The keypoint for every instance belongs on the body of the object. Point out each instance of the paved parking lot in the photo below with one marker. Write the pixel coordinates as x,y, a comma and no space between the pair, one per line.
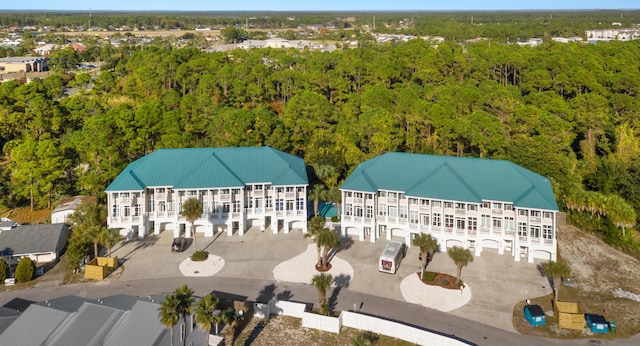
497,282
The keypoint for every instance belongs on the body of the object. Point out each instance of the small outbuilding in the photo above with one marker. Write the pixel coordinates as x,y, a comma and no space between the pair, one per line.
597,323
534,315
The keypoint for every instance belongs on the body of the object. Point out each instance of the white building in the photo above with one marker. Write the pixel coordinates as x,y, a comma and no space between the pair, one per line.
239,188
480,204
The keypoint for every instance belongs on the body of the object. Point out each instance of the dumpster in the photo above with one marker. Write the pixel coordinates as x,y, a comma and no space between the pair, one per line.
612,327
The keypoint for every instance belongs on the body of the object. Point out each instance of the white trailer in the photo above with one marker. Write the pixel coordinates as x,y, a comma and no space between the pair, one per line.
391,256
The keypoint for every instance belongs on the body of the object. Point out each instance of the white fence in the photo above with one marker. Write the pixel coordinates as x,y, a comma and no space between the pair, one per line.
355,321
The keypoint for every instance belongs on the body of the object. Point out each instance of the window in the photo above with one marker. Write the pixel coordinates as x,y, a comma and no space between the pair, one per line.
535,213
180,207
522,212
369,212
124,195
522,229
497,206
383,194
215,208
161,190
300,189
150,206
535,231
235,192
248,203
382,209
486,205
203,192
358,194
448,205
289,189
547,215
393,211
368,196
392,195
547,232
136,210
509,223
358,211
114,195
424,202
258,187
508,207
181,193
413,217
497,223
162,207
485,221
436,220
279,189
460,206
448,221
236,206
225,191
114,211
127,211
425,219
136,194
403,211
170,206
269,202
214,192
473,223
193,193
436,204
413,201
348,209
279,204
300,203
349,194
471,207
226,207
289,204
402,196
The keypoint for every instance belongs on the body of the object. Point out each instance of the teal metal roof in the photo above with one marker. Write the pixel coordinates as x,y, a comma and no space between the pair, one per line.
454,179
211,167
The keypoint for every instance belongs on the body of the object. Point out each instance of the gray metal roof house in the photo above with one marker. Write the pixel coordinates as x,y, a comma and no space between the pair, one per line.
480,204
42,243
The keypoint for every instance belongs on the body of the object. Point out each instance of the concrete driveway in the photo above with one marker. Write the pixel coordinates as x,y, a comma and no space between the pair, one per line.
496,282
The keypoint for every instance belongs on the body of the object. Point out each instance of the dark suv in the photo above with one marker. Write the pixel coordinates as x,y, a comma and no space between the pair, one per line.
178,244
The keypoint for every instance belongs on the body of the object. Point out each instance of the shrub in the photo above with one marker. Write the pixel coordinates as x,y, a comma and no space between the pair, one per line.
25,270
199,256
429,276
4,270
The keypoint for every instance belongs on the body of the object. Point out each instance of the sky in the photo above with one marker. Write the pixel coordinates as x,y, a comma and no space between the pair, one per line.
317,5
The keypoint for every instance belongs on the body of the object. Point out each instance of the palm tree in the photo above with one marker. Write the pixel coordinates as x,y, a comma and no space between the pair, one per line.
232,319
555,271
217,319
107,237
316,225
315,194
205,308
427,245
169,314
322,282
184,298
461,257
192,210
327,239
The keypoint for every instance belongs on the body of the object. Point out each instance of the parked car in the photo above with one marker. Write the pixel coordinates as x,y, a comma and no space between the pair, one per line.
178,244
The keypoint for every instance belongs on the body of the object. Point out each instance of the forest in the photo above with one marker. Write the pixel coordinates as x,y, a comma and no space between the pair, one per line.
568,111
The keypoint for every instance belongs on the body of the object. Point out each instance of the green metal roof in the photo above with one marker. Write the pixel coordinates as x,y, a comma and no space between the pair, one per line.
211,167
454,179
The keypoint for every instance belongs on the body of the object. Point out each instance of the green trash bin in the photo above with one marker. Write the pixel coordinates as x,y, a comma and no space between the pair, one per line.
612,327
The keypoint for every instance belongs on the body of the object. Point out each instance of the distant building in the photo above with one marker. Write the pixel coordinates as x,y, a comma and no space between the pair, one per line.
612,34
66,207
23,64
239,188
480,204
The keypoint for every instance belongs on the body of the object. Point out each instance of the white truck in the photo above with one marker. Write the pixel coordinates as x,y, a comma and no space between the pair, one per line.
391,256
